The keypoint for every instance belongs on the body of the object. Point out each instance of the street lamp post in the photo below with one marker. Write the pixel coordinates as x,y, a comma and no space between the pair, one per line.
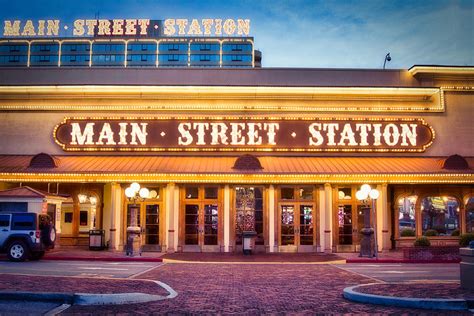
365,194
134,194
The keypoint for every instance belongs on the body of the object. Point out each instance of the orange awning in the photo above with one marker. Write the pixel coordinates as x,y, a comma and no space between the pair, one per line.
185,167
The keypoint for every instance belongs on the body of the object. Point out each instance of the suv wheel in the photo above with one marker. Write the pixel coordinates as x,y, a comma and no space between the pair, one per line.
18,251
48,235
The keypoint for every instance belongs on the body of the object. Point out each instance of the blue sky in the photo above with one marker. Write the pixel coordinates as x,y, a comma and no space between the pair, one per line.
302,33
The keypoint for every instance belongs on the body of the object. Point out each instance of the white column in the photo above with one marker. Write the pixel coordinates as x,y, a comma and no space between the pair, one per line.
322,218
169,218
176,215
271,218
226,218
112,215
383,213
327,218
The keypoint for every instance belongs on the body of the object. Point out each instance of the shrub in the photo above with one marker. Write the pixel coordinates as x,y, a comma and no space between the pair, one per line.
466,239
440,229
431,232
407,232
455,232
422,242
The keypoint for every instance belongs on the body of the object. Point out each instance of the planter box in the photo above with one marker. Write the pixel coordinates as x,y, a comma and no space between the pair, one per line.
449,253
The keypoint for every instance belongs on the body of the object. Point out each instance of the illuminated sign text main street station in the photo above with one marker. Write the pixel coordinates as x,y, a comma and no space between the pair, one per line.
243,134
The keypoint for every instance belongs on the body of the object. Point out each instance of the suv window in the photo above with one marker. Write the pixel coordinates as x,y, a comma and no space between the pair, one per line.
23,222
4,220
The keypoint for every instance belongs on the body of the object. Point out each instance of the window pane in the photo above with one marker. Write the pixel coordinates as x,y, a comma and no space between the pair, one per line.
83,218
4,220
68,217
470,215
13,207
192,192
287,193
306,193
440,215
344,194
406,216
210,192
345,224
23,222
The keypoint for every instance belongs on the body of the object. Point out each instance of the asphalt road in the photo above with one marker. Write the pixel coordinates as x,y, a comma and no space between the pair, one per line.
23,308
405,272
77,268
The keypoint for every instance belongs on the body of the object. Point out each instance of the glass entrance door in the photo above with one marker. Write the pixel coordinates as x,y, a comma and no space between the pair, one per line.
348,220
200,224
201,227
152,226
297,227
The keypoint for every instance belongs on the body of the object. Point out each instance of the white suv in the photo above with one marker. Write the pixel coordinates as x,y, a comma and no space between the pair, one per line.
26,235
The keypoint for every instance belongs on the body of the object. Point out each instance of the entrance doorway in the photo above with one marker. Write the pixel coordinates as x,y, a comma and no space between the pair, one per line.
200,220
297,219
249,216
349,220
150,218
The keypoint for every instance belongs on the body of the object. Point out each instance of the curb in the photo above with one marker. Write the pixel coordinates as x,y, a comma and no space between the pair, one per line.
91,299
118,259
400,261
256,262
422,303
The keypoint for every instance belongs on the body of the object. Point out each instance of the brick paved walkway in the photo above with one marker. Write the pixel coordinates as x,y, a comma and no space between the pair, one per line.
252,289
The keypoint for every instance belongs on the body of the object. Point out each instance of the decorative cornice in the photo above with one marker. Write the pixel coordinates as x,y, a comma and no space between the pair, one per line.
229,99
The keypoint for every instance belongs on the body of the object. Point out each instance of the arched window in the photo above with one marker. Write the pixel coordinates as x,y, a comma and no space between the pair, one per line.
470,215
406,216
440,215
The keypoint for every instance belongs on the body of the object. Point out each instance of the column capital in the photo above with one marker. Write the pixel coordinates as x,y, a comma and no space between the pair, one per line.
327,185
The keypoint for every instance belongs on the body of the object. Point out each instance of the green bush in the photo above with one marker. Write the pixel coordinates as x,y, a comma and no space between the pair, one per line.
455,232
431,232
407,232
466,239
422,242
440,229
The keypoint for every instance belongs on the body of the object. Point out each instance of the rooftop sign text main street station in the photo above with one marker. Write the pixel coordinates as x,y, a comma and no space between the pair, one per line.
128,27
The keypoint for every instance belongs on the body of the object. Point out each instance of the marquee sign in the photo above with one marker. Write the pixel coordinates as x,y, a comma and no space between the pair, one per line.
174,134
129,27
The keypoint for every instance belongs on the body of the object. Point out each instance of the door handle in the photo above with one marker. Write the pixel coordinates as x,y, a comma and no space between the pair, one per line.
4,230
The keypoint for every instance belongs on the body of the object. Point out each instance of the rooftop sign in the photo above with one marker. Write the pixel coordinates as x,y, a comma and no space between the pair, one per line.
244,134
128,27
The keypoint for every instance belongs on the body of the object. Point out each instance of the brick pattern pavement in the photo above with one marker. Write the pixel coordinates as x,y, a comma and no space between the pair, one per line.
424,290
252,289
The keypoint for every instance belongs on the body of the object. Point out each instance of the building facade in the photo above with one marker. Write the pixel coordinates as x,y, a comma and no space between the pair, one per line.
281,152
